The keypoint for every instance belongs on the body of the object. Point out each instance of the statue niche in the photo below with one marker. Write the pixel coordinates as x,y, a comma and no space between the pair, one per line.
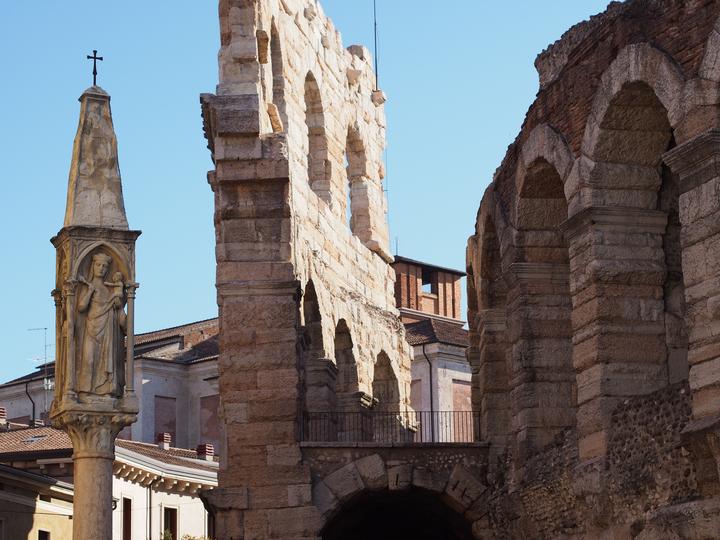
100,329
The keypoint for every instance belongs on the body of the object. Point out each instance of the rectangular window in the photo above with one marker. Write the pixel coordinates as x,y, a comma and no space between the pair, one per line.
43,535
170,522
209,424
165,416
127,518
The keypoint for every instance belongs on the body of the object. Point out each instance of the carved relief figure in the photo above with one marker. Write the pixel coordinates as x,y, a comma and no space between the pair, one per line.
100,368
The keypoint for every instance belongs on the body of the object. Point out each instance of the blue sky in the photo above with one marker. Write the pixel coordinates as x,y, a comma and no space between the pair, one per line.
459,77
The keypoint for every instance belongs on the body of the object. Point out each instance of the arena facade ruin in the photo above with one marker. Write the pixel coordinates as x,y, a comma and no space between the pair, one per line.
592,293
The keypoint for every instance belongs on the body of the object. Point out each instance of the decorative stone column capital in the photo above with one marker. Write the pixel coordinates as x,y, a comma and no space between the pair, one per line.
93,435
696,161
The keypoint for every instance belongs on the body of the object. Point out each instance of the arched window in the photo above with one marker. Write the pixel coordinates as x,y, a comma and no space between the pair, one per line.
318,165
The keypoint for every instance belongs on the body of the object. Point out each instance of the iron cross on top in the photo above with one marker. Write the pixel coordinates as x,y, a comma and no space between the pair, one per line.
94,58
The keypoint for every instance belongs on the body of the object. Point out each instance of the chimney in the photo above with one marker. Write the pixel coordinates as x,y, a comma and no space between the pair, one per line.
164,440
206,451
37,423
3,417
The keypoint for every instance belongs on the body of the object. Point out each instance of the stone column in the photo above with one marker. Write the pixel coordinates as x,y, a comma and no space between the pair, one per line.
95,285
697,164
540,374
93,437
617,275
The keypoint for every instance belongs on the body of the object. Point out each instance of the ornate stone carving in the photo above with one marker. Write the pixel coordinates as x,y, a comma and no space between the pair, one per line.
101,329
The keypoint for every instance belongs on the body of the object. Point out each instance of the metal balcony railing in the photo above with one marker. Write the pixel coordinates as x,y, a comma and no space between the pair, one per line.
390,427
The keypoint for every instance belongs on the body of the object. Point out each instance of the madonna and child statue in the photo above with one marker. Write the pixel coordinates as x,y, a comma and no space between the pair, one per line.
100,331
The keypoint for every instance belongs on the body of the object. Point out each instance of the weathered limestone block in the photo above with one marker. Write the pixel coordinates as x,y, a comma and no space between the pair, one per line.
540,371
617,272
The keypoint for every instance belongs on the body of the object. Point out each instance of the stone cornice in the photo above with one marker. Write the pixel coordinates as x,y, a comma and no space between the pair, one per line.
535,272
493,319
630,219
204,477
696,161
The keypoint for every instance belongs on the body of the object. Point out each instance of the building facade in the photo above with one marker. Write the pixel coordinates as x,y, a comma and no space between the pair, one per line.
175,381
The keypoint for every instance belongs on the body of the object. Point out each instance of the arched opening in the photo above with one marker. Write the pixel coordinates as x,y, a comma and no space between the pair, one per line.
387,425
276,59
356,202
539,314
319,375
397,515
347,381
385,387
318,165
630,328
320,371
634,134
351,424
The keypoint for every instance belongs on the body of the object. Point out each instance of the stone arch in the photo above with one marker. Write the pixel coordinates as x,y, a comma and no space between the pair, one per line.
120,261
546,144
320,371
622,290
318,164
634,64
539,305
450,487
385,386
348,384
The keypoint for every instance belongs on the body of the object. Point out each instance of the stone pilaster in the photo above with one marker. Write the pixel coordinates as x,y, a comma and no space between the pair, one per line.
540,374
488,360
617,275
697,164
259,308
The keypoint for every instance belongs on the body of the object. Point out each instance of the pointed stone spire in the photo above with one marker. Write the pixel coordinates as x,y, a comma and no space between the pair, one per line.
94,197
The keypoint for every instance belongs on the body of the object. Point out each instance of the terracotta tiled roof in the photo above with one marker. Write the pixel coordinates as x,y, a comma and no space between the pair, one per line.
175,456
33,442
176,331
435,331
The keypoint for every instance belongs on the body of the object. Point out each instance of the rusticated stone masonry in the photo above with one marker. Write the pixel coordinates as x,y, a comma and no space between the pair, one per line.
593,275
308,322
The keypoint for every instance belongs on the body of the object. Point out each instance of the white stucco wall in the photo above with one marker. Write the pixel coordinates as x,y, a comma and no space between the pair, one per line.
192,517
448,364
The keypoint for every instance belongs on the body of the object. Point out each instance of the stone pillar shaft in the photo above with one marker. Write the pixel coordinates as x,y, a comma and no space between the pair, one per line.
619,350
540,371
697,163
488,360
93,478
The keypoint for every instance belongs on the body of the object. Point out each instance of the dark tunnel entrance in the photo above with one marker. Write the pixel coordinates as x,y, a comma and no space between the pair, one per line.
404,515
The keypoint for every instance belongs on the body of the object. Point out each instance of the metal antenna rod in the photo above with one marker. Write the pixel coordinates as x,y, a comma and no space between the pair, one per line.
45,362
377,83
